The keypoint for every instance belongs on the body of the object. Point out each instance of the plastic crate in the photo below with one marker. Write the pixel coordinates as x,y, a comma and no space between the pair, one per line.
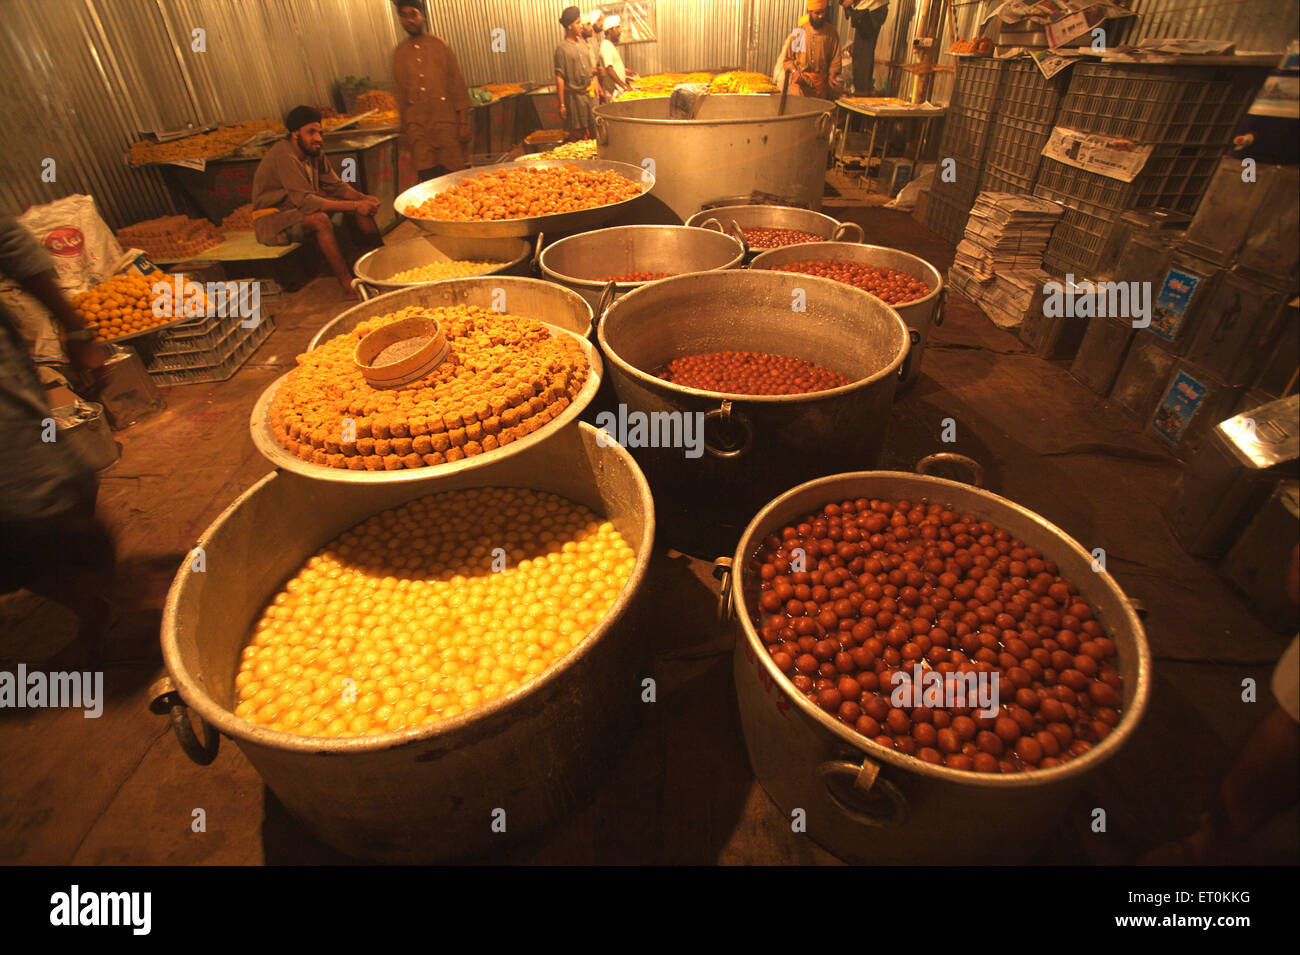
197,358
977,84
1018,140
964,187
947,219
1158,104
965,134
1000,178
1078,239
1025,93
240,349
1174,177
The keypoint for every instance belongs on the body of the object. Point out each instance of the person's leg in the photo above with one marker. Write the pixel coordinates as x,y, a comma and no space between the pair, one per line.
366,231
319,224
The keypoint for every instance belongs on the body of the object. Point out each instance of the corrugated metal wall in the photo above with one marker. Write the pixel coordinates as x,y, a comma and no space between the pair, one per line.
82,77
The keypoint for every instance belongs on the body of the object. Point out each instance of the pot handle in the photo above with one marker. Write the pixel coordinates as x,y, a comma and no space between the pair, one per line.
926,464
865,777
727,416
943,305
826,126
602,131
607,295
844,229
913,339
362,289
165,699
739,235
712,224
726,598
537,253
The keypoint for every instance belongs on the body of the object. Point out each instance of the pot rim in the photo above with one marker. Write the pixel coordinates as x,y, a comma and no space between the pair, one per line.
648,379
847,250
597,284
869,749
829,110
830,221
244,731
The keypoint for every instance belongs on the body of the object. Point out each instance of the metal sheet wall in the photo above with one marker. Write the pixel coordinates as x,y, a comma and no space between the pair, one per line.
81,77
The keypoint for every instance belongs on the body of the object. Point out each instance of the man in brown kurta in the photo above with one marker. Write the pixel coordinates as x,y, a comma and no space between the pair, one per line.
295,192
812,54
432,99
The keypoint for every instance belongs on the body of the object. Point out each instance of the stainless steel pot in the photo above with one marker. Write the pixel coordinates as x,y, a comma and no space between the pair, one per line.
752,446
560,222
869,804
375,270
736,142
776,217
529,298
427,793
919,316
584,263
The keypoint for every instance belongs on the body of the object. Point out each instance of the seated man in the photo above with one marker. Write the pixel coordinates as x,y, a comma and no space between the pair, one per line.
295,192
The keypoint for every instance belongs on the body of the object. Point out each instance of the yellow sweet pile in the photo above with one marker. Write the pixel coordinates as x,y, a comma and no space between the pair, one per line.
223,139
740,81
381,100
428,610
522,191
582,149
121,306
385,117
498,90
444,270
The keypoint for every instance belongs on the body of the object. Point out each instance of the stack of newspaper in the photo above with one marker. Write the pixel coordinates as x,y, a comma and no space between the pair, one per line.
999,260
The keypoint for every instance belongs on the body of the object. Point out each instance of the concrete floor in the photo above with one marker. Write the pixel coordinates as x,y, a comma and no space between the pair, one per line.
119,790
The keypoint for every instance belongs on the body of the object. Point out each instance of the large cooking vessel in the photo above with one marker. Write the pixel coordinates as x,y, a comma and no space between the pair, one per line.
752,447
431,792
919,316
529,298
585,263
755,216
375,270
556,223
736,143
870,804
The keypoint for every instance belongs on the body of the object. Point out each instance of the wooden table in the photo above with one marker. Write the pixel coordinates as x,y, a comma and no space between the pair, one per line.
922,113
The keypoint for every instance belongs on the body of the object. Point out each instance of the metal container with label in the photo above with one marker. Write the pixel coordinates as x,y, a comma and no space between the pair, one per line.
1257,564
1228,476
1102,352
1192,402
1242,319
1142,379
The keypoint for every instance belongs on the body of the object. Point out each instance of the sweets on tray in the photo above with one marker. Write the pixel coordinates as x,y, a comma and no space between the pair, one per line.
224,139
444,270
517,193
170,237
504,378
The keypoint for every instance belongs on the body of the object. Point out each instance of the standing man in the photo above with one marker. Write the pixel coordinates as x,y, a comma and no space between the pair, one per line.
867,17
574,77
614,75
295,192
812,55
593,31
432,99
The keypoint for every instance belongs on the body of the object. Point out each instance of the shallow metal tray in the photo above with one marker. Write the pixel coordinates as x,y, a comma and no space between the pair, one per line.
579,220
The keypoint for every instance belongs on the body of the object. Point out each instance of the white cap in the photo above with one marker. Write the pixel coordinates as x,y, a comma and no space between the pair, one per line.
611,22
591,17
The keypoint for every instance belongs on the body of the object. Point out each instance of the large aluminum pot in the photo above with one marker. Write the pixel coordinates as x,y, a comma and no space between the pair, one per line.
736,142
870,804
754,216
426,793
919,316
585,263
751,447
375,269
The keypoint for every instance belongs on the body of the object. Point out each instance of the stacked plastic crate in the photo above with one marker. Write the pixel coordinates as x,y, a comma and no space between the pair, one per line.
1027,107
210,349
1187,114
961,151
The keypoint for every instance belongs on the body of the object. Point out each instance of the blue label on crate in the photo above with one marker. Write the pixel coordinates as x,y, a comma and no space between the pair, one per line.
1172,303
1177,407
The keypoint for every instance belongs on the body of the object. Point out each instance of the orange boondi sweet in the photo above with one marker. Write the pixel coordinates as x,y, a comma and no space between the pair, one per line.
504,378
527,191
